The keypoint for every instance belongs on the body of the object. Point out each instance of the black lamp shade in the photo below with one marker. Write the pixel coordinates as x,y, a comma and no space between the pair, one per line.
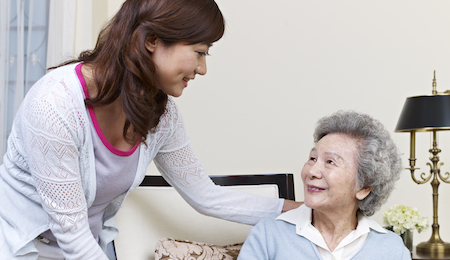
425,113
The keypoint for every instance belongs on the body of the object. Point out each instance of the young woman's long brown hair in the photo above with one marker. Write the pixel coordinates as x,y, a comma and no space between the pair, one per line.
122,66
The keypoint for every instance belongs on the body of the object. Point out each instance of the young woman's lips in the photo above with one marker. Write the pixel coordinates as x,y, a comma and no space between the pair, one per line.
185,81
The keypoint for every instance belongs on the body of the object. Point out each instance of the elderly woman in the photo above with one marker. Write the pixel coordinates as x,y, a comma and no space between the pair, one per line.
349,174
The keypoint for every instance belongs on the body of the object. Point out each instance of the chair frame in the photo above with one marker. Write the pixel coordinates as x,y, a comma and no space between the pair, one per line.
284,181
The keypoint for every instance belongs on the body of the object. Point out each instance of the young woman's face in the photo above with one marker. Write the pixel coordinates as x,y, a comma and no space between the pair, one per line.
177,64
329,176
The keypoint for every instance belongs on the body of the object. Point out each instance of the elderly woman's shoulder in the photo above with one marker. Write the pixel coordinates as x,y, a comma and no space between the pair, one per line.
275,224
392,236
391,243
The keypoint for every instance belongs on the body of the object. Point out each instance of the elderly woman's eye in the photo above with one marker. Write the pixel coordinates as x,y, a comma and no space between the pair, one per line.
312,159
330,161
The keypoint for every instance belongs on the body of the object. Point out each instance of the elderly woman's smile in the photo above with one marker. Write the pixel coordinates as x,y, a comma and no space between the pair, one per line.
314,188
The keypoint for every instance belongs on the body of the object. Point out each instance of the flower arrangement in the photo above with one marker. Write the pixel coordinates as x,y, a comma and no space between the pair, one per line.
402,218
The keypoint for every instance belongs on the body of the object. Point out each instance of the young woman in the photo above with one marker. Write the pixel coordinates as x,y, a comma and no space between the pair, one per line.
86,132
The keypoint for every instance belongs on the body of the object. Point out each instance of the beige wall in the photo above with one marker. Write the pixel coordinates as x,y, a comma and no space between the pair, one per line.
283,64
91,16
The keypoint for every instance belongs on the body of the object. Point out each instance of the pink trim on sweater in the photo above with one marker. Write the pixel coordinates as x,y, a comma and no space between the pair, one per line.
108,145
81,79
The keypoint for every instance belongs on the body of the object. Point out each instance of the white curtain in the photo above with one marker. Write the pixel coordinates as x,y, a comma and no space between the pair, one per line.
24,52
61,33
4,68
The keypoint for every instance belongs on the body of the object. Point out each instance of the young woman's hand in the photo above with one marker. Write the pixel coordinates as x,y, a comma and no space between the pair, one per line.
290,204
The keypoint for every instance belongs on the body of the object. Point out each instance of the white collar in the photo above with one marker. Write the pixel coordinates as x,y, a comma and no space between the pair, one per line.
347,248
301,218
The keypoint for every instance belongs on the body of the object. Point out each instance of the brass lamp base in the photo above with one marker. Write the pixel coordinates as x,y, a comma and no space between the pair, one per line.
433,249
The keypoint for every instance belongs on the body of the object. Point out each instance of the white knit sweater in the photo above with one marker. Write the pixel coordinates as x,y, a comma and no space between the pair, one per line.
48,176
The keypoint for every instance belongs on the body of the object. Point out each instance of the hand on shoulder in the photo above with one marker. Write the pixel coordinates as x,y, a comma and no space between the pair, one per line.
290,204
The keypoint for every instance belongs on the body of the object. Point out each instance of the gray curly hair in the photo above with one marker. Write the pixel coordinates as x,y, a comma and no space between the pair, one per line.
379,162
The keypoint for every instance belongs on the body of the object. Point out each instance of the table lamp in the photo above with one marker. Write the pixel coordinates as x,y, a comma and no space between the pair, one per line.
428,113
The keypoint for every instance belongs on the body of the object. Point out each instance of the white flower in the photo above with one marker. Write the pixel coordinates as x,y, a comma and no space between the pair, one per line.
401,218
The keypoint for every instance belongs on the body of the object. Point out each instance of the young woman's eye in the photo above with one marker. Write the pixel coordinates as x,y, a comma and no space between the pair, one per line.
202,53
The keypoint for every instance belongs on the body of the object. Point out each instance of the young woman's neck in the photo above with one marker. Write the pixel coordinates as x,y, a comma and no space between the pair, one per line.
88,76
111,118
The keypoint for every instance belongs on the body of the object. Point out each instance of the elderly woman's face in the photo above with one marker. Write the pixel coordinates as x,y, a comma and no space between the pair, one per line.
329,176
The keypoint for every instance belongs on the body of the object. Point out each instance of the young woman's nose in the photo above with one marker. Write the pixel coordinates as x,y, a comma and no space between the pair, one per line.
201,67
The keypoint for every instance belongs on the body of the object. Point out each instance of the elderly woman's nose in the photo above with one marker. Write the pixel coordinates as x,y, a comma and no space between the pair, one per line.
315,171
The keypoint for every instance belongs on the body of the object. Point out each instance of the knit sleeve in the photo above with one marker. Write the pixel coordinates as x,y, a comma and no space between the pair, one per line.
52,139
181,168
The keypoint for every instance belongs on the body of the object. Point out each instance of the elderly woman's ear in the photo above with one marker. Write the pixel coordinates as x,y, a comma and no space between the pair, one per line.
362,193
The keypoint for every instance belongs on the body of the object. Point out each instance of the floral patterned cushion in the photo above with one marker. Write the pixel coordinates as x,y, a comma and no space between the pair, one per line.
173,249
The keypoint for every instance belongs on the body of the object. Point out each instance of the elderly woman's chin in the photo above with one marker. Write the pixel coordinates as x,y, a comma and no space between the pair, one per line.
314,204
317,207
309,202
333,203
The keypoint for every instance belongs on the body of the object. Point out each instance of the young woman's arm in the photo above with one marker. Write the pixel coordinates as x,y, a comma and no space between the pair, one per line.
180,167
52,146
184,172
